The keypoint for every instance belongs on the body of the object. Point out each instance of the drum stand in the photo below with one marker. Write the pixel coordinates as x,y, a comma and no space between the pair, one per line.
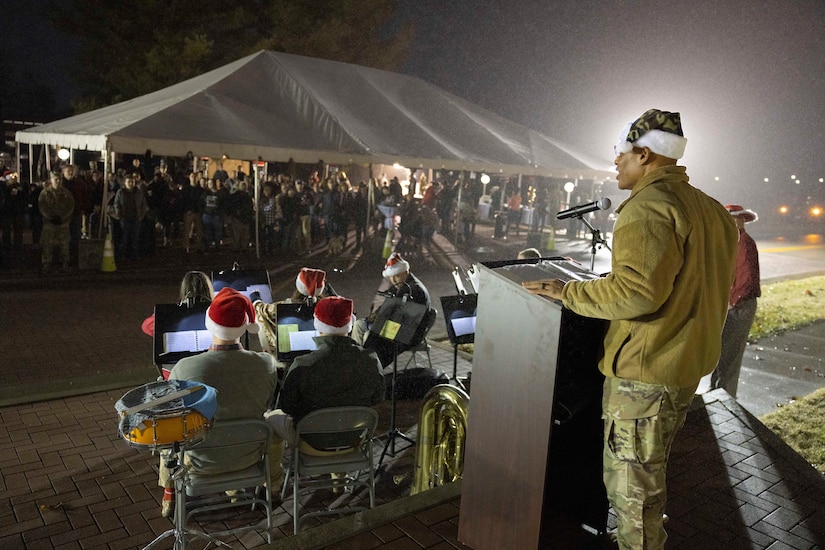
180,472
394,431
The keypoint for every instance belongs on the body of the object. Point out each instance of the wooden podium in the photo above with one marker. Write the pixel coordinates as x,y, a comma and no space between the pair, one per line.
532,469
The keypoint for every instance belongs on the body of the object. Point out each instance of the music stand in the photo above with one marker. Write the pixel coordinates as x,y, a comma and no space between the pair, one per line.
245,282
460,318
180,331
296,328
396,323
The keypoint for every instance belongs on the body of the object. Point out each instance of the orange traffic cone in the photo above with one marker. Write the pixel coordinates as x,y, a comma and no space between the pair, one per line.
108,263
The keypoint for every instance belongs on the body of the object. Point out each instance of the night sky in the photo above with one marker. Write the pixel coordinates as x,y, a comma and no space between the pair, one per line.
748,76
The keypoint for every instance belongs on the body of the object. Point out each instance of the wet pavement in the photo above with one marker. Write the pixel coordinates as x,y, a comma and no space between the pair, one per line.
71,345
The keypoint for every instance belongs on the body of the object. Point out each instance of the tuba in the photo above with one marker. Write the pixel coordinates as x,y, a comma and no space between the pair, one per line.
442,430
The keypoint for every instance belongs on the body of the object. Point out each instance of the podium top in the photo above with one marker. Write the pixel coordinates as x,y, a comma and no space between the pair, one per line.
519,271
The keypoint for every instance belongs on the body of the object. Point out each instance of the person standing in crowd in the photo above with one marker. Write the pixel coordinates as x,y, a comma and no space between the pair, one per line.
269,218
306,204
539,211
212,206
514,211
245,381
290,204
396,190
56,205
77,187
130,209
240,213
33,218
741,305
665,297
12,210
171,212
191,198
360,212
430,195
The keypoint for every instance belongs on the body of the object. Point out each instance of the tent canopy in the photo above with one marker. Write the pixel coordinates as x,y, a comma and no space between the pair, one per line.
276,106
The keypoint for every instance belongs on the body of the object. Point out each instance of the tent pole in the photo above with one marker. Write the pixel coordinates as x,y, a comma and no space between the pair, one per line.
31,158
458,205
370,199
104,218
257,212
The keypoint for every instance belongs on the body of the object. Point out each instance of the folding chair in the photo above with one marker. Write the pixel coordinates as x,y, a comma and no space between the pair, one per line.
332,440
237,437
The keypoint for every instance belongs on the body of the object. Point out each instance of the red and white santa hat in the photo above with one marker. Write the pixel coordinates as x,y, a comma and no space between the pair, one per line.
395,265
230,315
741,212
333,315
310,282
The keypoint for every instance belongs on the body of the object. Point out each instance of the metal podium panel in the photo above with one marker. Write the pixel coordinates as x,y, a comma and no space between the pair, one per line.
506,484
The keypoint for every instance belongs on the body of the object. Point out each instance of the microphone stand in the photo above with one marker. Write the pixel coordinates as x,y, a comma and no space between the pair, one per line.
596,240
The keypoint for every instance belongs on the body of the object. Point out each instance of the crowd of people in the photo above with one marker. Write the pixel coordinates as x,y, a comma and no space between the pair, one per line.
147,207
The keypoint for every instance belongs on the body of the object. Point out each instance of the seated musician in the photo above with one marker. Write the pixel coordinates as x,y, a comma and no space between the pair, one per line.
245,381
403,283
339,373
310,286
195,288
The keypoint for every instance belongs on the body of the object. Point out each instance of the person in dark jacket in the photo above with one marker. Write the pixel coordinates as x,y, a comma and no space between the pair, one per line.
130,208
339,373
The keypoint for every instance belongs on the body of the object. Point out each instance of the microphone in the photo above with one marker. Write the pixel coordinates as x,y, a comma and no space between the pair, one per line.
601,204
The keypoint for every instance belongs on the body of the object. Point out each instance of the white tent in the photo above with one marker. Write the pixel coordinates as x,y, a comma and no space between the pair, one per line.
277,106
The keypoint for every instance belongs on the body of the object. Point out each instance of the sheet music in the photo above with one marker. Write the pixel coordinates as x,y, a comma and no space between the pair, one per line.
186,340
464,325
302,340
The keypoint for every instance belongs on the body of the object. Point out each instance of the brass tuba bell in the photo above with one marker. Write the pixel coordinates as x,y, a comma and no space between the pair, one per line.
442,431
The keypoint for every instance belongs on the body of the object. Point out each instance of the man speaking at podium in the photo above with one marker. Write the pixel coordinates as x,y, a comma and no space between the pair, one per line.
666,299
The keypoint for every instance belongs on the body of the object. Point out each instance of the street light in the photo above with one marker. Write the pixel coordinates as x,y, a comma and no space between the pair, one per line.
485,179
569,187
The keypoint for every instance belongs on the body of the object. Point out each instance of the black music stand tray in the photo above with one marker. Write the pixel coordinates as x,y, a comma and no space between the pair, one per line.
183,318
397,321
456,308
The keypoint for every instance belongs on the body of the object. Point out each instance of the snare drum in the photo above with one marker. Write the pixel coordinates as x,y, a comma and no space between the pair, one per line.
159,414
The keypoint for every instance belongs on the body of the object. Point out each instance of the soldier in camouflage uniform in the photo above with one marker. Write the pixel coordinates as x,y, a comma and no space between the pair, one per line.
56,205
666,298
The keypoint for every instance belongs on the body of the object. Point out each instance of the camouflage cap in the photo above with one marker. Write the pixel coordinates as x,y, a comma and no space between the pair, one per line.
660,131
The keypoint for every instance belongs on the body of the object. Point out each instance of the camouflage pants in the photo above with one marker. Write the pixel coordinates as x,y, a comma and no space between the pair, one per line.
640,423
54,237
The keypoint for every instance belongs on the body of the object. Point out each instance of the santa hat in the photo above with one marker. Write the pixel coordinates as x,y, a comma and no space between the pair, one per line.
230,315
659,131
395,265
740,212
333,315
310,282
